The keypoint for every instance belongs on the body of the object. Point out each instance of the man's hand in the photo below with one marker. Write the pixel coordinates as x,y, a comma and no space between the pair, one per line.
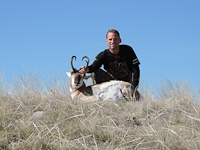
83,70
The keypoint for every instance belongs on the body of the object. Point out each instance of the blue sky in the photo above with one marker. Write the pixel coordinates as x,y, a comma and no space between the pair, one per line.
41,36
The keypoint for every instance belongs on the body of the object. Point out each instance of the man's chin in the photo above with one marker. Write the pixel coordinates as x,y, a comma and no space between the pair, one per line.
113,48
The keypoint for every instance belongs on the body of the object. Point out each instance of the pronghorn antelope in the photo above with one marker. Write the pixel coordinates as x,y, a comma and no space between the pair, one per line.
112,90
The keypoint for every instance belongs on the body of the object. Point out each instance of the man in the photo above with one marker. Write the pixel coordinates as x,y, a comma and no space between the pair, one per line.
120,62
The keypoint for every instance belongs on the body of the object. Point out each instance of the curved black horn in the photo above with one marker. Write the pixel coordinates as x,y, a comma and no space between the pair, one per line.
72,63
86,61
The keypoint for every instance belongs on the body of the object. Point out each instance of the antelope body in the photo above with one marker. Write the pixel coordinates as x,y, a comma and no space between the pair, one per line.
113,90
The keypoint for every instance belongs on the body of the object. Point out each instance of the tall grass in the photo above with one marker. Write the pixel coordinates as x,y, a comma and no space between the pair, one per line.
39,114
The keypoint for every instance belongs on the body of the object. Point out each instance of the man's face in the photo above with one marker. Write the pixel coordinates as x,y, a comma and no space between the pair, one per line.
113,41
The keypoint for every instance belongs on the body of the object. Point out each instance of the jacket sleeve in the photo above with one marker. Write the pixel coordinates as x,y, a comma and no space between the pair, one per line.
97,62
136,76
134,63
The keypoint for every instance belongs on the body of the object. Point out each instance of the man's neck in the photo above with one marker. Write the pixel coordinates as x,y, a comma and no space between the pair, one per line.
115,51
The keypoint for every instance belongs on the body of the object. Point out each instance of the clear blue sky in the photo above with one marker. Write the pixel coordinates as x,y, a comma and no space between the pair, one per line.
40,36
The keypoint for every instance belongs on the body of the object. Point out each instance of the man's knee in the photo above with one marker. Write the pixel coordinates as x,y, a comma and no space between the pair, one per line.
100,76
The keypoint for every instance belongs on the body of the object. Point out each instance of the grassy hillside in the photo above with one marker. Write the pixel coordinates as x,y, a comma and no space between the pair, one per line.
38,114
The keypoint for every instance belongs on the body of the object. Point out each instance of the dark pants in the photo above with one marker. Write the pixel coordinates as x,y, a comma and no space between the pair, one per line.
101,76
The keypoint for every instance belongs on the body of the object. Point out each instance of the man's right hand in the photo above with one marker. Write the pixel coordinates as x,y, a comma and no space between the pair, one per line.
83,70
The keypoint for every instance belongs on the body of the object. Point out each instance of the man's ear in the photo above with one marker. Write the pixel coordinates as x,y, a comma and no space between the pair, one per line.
69,74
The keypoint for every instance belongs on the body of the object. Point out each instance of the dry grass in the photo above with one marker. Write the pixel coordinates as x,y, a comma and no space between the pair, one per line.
38,114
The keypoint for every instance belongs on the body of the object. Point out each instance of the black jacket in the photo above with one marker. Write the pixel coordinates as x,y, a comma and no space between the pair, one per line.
126,54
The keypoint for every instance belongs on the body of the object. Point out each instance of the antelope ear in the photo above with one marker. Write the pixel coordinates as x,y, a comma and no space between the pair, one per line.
69,74
87,76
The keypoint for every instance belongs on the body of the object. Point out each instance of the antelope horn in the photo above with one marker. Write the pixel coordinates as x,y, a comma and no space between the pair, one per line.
86,61
72,63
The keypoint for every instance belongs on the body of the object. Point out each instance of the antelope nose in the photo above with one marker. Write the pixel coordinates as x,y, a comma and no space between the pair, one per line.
76,83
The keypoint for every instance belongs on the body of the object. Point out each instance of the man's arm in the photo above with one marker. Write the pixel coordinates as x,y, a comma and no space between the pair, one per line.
136,76
134,65
95,65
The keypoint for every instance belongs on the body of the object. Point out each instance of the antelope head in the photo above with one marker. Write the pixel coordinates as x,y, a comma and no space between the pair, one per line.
76,77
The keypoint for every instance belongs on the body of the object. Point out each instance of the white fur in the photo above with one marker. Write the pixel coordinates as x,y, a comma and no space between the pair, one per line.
110,91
